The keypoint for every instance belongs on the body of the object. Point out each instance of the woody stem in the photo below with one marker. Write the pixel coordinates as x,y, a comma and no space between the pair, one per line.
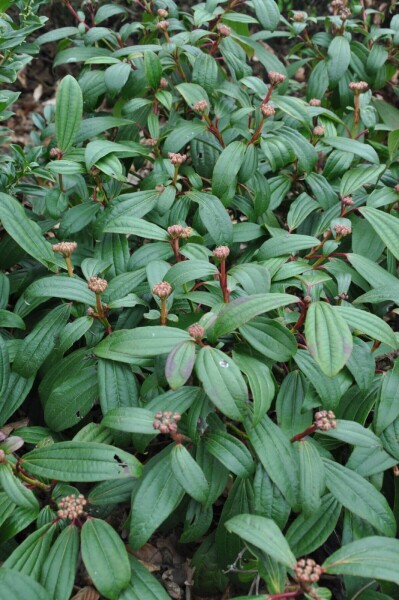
299,436
164,311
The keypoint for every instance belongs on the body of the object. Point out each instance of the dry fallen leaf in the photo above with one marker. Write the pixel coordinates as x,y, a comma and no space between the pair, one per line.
86,593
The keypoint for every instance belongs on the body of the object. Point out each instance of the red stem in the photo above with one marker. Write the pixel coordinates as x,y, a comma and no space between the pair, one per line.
299,436
284,595
75,14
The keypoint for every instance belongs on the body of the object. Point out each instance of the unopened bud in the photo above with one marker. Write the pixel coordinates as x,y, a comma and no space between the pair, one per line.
200,106
163,84
396,188
175,231
315,102
166,422
358,87
325,420
65,248
299,17
267,110
176,158
308,571
345,14
163,289
348,200
187,232
221,252
196,331
97,285
162,25
342,230
318,130
163,13
224,29
56,153
276,78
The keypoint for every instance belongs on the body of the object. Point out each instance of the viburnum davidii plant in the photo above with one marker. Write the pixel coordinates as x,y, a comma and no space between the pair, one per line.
198,299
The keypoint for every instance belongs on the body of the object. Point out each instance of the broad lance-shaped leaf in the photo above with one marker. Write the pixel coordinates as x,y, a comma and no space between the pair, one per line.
385,225
388,406
105,558
179,364
243,309
225,171
214,216
353,433
369,324
59,286
4,366
311,477
81,461
264,534
130,419
231,452
222,381
26,233
359,496
372,557
260,382
29,556
17,586
329,338
143,585
130,344
59,569
68,112
189,474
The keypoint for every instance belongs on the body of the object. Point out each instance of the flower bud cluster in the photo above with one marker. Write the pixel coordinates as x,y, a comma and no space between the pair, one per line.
200,106
315,102
396,188
345,13
299,17
149,142
221,252
97,285
337,4
348,200
163,290
176,158
325,420
224,29
56,153
71,507
196,331
318,130
163,25
163,13
276,78
163,84
65,248
178,231
267,110
358,86
307,571
166,422
342,230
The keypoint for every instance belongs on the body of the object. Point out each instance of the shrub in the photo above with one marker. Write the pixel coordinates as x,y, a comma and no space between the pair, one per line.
197,305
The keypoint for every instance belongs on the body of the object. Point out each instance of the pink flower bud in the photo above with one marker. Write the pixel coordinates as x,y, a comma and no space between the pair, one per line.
276,78
162,290
267,110
97,285
221,252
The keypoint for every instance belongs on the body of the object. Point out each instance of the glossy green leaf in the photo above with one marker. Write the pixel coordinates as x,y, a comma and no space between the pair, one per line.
214,217
131,419
179,364
222,382
359,496
270,338
189,474
365,151
231,452
260,383
353,433
228,164
371,557
129,345
243,309
339,54
386,225
18,586
328,338
264,534
189,270
354,179
15,490
81,461
68,112
143,584
28,558
105,558
311,477
59,568
368,323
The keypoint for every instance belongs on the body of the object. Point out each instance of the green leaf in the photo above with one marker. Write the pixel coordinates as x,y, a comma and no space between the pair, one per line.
60,286
263,534
353,147
374,274
270,338
369,324
231,453
59,569
277,456
143,585
152,68
354,179
214,216
29,556
361,364
182,135
385,225
309,532
37,346
4,367
222,382
68,112
285,244
17,586
353,433
328,388
81,461
128,345
339,54
267,13
371,557
311,477
179,364
25,232
226,169
105,558
138,227
117,385
388,406
131,419
328,338
157,497
243,309
115,76
15,490
260,382
192,93
189,270
11,320
359,496
189,474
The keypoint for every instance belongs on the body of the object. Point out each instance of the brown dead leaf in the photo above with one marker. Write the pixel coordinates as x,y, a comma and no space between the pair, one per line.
149,556
86,593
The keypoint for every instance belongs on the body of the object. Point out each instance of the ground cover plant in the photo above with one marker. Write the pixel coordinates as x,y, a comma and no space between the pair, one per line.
199,245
